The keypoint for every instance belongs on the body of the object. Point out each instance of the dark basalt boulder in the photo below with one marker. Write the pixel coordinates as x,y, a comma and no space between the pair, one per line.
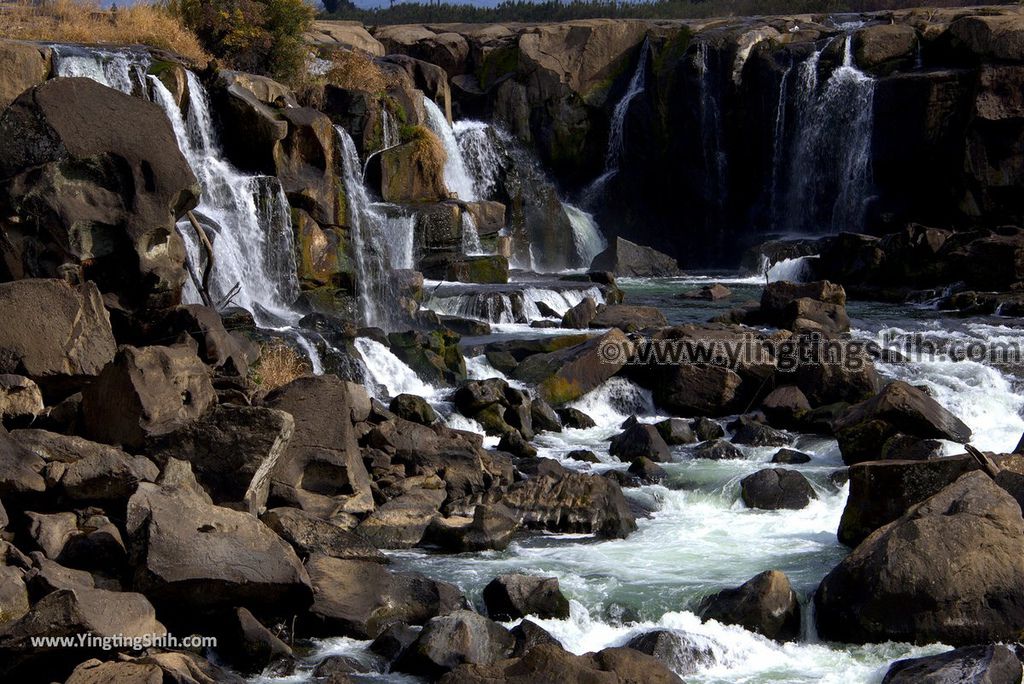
361,600
509,597
574,418
229,352
413,408
191,557
989,664
395,638
54,333
717,450
454,639
898,409
777,488
785,406
490,528
752,432
691,390
897,584
628,318
543,417
706,429
99,181
790,457
625,258
646,470
146,392
434,356
640,440
20,469
247,644
567,374
581,315
21,402
765,604
676,431
310,535
683,653
402,522
529,634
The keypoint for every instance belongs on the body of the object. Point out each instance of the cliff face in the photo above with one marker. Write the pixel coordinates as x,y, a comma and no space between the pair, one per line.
745,128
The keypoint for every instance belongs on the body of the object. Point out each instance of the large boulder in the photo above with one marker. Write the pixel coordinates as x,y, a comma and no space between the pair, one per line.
451,640
640,440
401,522
509,597
350,35
692,390
307,163
765,604
628,318
54,333
567,374
99,182
146,392
25,65
683,653
321,470
777,488
884,47
898,409
990,664
625,258
232,449
310,535
180,667
805,307
20,469
898,585
360,599
192,558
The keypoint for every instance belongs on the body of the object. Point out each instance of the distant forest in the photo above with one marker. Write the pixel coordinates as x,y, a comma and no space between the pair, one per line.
553,10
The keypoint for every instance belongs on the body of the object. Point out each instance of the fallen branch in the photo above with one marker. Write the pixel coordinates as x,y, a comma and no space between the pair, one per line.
204,241
986,463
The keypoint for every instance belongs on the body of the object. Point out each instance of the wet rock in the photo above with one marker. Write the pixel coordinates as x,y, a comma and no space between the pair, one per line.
785,406
395,638
173,666
100,182
20,400
529,634
476,269
454,639
89,471
581,315
513,443
625,258
509,597
902,447
405,179
707,429
683,653
56,334
574,418
435,356
248,645
775,488
146,393
232,449
543,417
401,522
360,600
310,535
717,450
647,470
584,455
640,440
790,457
992,664
852,379
676,431
564,375
191,557
490,528
69,612
765,604
896,585
898,408
883,491
628,318
753,433
413,408
334,669
321,471
691,390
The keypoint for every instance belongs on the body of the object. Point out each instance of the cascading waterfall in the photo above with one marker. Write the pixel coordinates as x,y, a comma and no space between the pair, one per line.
616,127
470,236
381,242
389,130
829,174
778,141
456,177
480,155
121,70
248,218
585,233
711,126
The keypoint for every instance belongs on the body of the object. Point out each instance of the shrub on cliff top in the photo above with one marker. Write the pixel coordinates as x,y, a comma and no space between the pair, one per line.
261,36
83,21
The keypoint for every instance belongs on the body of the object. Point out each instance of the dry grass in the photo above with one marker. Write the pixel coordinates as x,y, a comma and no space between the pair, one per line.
349,69
428,151
278,365
82,21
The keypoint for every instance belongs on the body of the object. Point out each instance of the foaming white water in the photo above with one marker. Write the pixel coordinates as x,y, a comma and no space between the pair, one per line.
470,236
122,70
558,300
614,401
796,270
585,234
480,155
988,400
248,216
389,372
456,176
512,306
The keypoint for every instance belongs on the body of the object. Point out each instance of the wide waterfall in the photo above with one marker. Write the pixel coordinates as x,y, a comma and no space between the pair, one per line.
382,240
828,178
248,219
456,177
123,70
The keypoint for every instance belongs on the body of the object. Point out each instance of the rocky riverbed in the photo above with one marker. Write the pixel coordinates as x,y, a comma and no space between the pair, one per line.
269,376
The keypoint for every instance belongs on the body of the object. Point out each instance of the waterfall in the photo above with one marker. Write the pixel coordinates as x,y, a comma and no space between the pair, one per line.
470,236
389,130
121,70
381,241
456,177
248,218
829,174
711,126
778,141
390,376
585,233
480,155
